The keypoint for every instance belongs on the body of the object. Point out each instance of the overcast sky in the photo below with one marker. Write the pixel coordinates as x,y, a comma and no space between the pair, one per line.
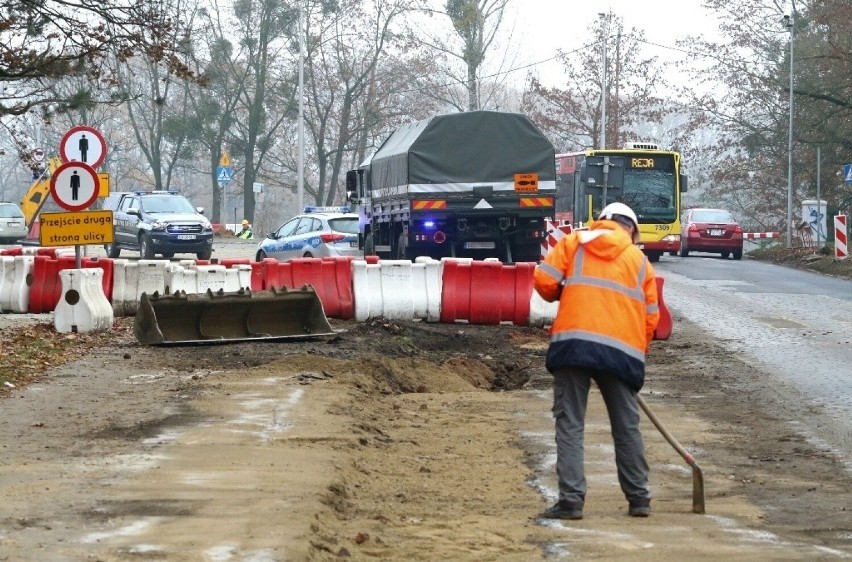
543,26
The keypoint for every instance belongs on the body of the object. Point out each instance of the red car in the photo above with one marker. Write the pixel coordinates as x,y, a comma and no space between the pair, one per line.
711,230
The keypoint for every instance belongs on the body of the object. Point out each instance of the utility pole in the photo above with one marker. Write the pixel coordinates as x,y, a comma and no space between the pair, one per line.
605,32
789,22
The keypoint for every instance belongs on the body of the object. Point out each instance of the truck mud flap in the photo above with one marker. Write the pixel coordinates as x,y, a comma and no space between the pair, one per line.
219,317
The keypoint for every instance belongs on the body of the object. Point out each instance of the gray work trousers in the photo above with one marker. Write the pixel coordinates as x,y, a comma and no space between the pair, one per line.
570,397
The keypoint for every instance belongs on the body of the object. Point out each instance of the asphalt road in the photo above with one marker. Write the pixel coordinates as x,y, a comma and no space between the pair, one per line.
795,324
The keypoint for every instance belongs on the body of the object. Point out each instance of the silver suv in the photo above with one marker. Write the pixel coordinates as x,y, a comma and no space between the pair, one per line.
12,224
158,222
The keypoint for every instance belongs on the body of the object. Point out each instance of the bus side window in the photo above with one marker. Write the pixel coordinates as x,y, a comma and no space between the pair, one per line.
683,183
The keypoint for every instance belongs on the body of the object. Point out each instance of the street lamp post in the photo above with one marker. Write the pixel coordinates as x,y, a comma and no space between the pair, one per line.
788,23
605,33
300,171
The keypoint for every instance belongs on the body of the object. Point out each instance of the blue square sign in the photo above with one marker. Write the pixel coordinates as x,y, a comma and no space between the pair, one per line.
847,173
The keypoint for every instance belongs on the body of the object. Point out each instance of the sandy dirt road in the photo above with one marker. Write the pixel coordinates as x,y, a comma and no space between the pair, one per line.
396,441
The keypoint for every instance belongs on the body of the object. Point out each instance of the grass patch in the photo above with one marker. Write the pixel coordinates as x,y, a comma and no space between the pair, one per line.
29,350
820,261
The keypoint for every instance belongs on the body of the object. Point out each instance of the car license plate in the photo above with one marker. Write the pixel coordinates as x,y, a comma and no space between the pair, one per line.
716,232
186,237
15,225
479,245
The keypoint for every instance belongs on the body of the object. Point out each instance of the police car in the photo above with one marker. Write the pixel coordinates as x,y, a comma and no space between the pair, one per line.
316,233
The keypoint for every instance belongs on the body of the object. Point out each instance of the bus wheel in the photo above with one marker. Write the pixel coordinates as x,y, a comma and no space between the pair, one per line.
654,257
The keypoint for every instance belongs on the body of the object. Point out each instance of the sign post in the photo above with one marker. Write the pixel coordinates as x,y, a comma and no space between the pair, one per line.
75,185
224,176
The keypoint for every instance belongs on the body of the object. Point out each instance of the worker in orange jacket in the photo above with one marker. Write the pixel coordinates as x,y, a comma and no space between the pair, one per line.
608,310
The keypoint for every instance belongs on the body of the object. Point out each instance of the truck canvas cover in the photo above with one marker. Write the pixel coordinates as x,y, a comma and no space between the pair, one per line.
449,149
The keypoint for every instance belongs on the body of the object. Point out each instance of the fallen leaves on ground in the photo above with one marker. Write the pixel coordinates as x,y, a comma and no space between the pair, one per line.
30,350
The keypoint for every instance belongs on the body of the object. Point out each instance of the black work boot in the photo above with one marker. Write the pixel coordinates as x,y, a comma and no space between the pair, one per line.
564,509
639,508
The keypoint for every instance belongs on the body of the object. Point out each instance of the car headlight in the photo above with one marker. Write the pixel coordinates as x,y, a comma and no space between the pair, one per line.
206,225
158,225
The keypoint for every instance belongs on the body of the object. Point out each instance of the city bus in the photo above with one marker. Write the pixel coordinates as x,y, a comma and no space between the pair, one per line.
641,175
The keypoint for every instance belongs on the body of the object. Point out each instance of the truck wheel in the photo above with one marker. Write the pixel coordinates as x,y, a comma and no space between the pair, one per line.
146,250
112,251
508,252
369,245
402,248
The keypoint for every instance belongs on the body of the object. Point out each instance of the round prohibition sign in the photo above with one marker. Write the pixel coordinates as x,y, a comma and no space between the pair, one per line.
74,186
83,144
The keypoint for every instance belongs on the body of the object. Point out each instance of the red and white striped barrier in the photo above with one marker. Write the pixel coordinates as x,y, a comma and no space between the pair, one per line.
758,235
841,251
555,233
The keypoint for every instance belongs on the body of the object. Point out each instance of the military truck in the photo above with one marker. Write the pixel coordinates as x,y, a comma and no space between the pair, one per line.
478,184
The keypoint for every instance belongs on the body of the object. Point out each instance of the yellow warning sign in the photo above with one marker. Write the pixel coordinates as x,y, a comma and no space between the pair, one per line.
526,183
103,184
225,160
76,229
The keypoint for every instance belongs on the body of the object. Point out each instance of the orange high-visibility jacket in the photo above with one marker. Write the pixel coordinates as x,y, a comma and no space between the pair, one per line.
608,307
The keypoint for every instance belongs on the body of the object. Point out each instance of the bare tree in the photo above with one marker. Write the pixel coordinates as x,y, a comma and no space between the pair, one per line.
572,115
748,104
476,28
352,54
47,40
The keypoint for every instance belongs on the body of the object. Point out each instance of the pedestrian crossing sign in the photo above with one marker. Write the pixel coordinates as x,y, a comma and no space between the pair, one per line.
847,173
224,174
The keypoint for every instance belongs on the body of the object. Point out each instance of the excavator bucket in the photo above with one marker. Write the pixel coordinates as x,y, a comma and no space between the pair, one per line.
223,317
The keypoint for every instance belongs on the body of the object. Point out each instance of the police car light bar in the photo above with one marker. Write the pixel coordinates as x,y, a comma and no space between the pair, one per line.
315,209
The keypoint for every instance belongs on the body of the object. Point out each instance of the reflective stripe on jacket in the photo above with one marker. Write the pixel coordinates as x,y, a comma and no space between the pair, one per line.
608,307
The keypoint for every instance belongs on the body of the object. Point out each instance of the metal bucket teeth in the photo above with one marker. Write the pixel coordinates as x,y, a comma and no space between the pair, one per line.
223,317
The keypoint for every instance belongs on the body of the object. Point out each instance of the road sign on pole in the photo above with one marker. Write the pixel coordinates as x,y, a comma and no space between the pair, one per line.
847,173
83,144
74,186
224,175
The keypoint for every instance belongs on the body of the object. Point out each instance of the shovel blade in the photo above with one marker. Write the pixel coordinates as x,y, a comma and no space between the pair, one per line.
223,317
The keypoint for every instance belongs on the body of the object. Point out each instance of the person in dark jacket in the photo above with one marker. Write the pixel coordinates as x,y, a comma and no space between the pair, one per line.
608,310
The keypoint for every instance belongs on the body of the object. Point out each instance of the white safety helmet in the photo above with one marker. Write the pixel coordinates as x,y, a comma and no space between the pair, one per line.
623,210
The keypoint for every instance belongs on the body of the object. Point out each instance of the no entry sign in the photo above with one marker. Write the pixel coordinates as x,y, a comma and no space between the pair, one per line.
74,186
83,144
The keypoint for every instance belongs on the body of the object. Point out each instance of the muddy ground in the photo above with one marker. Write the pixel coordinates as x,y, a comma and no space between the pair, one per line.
395,441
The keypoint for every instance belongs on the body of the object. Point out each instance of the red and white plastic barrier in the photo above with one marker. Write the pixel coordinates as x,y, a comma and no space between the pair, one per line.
841,250
759,235
555,233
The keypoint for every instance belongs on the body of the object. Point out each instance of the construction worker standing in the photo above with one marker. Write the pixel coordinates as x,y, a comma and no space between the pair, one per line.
608,310
246,233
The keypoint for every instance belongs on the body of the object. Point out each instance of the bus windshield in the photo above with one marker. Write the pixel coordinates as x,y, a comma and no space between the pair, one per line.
651,195
650,188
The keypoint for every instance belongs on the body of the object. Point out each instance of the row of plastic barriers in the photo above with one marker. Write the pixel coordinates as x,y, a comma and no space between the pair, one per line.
448,291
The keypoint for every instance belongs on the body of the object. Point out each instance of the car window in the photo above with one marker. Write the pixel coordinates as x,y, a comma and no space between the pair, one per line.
10,212
712,216
305,225
348,225
287,228
127,203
